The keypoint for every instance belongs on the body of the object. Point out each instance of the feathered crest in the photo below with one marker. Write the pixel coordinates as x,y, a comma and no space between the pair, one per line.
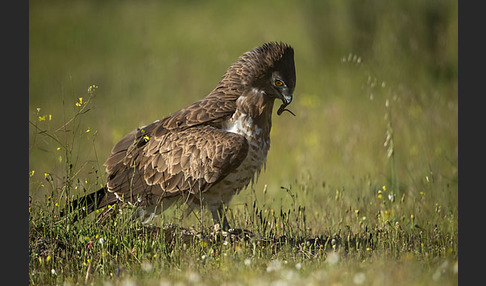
256,63
272,53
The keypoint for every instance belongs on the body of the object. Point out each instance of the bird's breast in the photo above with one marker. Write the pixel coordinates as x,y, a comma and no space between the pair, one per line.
259,143
244,125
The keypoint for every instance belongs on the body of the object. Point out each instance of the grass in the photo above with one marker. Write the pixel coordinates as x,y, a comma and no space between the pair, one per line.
361,187
380,243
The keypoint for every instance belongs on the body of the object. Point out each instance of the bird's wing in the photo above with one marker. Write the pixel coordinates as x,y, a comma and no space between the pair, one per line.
219,105
145,167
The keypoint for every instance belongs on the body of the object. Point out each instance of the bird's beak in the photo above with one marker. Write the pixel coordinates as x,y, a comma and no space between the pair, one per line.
286,99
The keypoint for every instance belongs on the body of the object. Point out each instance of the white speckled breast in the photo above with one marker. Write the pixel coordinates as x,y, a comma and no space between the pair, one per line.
249,169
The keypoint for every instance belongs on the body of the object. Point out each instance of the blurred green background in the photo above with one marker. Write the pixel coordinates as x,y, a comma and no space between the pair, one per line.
151,58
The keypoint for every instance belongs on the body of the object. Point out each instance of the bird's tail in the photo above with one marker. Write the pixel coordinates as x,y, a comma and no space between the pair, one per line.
83,206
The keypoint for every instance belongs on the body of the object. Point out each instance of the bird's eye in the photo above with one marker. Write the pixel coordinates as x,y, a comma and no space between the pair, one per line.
279,83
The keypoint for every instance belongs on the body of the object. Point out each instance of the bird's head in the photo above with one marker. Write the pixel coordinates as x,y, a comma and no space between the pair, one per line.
278,74
269,68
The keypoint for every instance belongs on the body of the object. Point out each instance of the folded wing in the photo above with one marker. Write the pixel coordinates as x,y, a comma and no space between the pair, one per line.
153,162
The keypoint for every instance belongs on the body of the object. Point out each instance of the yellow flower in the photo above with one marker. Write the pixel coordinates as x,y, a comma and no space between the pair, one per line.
88,130
42,118
92,88
31,173
80,102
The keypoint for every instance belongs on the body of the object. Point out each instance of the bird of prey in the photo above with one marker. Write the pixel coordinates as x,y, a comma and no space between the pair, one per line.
207,152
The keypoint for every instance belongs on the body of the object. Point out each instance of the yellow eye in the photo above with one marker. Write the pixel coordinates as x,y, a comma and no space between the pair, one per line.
278,83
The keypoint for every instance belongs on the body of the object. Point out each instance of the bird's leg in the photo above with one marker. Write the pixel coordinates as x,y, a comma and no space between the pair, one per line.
219,217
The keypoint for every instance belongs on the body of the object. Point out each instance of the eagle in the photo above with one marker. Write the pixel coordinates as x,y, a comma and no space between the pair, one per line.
207,152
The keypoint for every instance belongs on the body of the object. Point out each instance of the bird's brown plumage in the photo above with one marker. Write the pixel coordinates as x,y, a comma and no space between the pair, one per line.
211,149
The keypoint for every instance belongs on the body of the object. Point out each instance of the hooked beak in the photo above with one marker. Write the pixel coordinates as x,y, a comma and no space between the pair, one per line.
286,99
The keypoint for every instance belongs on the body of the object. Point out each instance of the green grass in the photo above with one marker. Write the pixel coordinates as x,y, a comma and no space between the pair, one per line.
361,187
